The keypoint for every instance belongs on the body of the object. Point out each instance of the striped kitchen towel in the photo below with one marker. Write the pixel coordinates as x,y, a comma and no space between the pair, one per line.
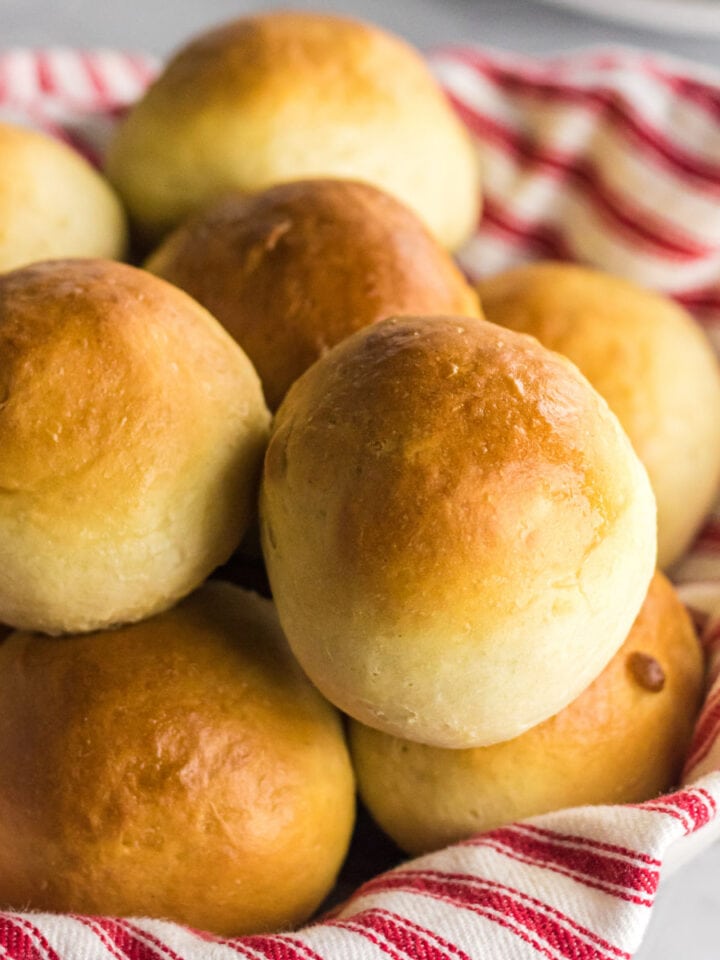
606,157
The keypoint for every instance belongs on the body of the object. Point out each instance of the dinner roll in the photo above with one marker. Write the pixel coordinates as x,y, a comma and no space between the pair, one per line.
457,532
52,202
651,362
287,95
292,271
133,429
181,768
622,741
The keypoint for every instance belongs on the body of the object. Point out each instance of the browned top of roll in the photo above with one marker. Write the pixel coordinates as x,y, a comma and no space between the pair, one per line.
182,767
295,269
89,340
286,95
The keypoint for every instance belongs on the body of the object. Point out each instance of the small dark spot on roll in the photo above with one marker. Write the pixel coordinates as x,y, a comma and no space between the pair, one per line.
646,671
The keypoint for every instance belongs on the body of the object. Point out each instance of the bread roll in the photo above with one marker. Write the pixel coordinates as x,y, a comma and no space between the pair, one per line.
457,532
288,95
52,202
622,741
651,362
133,430
181,768
293,270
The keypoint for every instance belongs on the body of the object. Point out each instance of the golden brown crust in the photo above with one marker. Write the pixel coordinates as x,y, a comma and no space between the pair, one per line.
293,270
53,203
133,429
287,95
649,360
449,511
621,741
182,768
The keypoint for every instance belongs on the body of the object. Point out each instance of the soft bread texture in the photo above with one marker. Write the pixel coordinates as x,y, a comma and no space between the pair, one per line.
289,95
457,532
651,362
293,270
622,741
181,768
52,202
133,430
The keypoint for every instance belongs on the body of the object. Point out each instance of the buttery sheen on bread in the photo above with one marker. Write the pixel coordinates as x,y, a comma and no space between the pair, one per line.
52,202
457,531
289,95
651,362
293,270
622,741
181,768
133,429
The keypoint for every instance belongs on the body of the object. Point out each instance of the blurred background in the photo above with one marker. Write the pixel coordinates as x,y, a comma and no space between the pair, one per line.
687,920
158,26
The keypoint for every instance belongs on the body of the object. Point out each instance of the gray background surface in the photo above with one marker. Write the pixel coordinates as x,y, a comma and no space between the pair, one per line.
160,25
686,922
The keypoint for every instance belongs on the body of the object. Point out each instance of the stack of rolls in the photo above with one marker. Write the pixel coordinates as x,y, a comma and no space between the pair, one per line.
458,527
460,541
178,764
161,751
